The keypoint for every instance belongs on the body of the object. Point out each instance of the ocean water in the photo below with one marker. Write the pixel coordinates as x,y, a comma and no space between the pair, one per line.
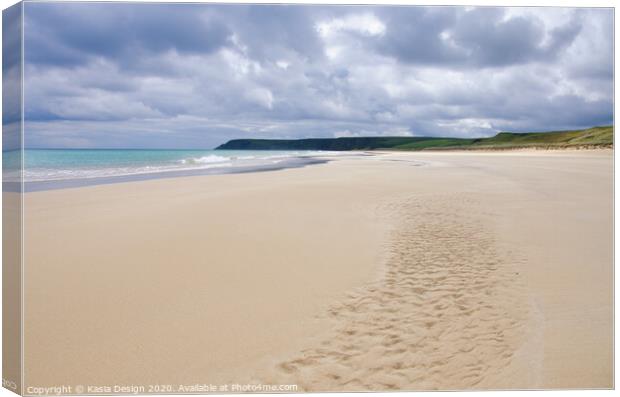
75,167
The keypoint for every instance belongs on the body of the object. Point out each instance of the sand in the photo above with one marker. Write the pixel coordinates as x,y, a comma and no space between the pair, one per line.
405,271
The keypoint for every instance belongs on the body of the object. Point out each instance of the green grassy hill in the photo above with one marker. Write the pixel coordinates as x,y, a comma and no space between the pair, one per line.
592,137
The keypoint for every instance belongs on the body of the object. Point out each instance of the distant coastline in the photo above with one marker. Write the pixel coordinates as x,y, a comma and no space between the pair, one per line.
595,137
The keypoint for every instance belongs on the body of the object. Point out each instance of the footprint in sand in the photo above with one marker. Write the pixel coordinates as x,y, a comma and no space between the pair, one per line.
448,311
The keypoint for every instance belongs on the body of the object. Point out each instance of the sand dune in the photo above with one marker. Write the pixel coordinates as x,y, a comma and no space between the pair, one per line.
405,271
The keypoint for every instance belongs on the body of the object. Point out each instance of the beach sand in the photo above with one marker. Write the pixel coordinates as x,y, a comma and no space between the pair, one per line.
405,271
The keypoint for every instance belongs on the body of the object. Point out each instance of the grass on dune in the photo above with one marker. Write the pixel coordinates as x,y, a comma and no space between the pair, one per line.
591,136
595,136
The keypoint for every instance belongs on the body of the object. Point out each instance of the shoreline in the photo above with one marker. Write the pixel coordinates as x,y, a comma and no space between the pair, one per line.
35,186
404,271
295,162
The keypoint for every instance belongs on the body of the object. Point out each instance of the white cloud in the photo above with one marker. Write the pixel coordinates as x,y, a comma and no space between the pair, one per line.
283,64
365,24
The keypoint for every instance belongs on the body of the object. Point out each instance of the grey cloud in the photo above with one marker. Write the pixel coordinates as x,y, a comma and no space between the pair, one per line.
125,75
70,34
11,78
11,37
413,34
271,32
481,37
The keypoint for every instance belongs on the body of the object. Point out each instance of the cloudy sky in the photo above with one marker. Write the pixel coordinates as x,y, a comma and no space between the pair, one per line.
194,76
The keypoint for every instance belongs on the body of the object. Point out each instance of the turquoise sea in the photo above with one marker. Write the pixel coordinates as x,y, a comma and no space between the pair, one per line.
91,166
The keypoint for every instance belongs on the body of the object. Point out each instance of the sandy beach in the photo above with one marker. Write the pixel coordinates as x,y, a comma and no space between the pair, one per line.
404,271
